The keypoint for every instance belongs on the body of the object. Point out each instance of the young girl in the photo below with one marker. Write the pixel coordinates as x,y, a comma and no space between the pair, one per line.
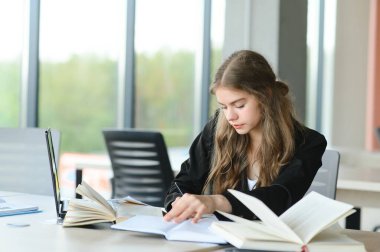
253,144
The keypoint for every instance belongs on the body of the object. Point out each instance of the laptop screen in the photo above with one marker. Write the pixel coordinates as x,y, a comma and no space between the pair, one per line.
54,172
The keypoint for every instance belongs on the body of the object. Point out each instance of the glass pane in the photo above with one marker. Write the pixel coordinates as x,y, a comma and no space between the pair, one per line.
80,45
11,30
217,41
80,42
168,35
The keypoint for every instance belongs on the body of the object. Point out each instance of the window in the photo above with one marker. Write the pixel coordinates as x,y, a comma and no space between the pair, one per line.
80,43
217,39
11,30
167,41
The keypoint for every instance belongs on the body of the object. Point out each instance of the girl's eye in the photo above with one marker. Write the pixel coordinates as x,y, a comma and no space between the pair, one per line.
240,106
223,108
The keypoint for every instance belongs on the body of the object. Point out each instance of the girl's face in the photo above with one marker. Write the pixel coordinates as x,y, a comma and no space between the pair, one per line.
242,110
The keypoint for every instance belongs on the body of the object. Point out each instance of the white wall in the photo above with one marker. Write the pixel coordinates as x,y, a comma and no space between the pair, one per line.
254,25
350,74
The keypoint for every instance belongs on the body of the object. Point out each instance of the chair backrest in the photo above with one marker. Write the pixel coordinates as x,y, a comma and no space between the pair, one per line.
326,178
24,161
140,164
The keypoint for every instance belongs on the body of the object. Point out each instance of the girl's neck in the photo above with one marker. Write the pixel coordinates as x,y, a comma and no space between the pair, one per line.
254,170
255,140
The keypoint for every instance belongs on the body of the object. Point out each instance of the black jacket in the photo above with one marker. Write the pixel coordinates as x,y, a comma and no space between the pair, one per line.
293,180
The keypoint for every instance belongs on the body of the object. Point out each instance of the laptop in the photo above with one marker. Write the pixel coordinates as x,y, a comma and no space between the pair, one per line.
61,205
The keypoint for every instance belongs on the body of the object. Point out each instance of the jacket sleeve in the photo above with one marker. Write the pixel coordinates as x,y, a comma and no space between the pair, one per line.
195,169
293,180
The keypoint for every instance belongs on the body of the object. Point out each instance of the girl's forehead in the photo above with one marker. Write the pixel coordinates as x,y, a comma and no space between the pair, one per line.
228,95
223,90
231,90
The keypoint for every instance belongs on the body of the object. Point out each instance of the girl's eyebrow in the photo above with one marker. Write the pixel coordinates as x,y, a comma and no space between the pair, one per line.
233,102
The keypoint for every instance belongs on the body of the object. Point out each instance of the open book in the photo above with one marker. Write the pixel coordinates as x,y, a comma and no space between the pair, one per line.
184,231
94,208
308,223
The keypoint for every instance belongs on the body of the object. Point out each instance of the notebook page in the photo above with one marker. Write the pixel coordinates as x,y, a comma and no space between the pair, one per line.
146,224
197,232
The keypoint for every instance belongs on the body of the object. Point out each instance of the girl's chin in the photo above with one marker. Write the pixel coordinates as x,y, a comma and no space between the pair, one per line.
241,131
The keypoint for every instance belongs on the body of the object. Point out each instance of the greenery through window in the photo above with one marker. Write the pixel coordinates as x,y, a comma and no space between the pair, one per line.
11,30
79,69
167,43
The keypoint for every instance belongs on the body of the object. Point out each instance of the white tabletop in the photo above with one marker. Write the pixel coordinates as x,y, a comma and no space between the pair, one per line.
43,234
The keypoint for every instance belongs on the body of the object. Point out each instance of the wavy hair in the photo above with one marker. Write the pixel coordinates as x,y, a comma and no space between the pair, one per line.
250,72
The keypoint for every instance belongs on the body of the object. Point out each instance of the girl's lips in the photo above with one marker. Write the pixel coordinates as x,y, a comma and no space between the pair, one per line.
237,126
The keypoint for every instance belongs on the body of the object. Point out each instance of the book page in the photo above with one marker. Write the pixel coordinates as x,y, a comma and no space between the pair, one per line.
243,232
256,226
129,199
83,212
85,190
132,209
90,207
184,231
196,232
313,213
266,215
145,224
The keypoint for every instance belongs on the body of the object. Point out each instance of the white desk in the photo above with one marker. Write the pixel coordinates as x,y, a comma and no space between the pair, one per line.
44,235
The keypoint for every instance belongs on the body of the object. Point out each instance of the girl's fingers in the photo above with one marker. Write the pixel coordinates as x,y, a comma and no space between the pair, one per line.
178,207
175,201
197,217
186,207
184,215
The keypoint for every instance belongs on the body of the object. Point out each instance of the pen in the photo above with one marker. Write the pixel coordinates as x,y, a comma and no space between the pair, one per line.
179,190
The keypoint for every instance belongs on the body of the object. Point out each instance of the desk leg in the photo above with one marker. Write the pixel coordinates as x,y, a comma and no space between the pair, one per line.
353,221
78,180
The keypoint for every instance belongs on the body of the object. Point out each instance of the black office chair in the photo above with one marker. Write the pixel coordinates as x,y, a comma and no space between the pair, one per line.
140,164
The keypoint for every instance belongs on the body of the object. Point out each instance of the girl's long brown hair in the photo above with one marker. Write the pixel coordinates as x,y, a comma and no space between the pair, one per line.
249,71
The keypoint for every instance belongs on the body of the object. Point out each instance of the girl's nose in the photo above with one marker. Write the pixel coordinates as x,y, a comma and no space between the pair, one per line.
231,115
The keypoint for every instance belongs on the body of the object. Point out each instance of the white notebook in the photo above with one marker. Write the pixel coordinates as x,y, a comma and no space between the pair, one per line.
184,231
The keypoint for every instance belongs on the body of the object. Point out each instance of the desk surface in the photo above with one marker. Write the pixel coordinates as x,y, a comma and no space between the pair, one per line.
44,234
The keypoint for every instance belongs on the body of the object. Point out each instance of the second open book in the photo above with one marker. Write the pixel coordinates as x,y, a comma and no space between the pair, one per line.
94,208
305,224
